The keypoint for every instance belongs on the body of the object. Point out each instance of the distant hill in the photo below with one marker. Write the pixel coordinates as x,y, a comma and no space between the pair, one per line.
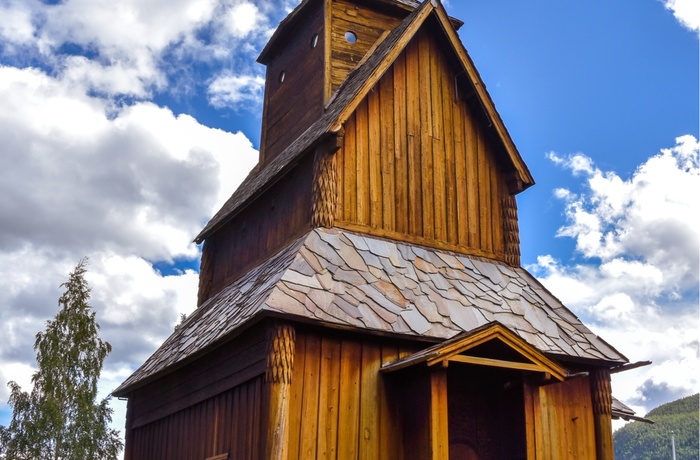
642,441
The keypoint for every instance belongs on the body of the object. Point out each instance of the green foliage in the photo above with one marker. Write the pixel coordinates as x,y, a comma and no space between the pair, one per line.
642,441
60,418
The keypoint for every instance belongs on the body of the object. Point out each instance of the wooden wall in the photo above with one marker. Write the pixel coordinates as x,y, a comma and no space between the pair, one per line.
292,105
280,214
560,420
367,24
340,408
415,161
209,407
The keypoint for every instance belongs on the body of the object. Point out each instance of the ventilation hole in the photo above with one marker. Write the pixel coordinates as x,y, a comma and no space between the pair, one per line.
350,37
282,75
314,41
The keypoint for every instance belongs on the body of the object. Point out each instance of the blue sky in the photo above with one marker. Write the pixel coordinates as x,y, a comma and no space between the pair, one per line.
125,125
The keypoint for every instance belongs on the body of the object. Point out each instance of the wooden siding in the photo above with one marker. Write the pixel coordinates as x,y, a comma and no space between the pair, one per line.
293,105
560,421
229,423
340,407
416,164
278,216
208,407
367,24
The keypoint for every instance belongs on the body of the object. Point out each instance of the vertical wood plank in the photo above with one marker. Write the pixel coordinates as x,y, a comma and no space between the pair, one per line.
329,393
297,397
400,143
369,401
310,405
461,184
349,189
374,137
484,182
426,135
362,149
388,171
415,176
349,407
447,83
472,142
438,141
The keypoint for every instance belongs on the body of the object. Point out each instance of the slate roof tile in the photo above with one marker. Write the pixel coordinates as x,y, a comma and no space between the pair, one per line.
323,276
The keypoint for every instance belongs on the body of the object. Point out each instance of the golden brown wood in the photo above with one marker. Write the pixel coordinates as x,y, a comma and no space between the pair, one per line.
363,164
400,144
375,158
329,388
278,378
426,135
349,405
387,149
438,141
496,363
415,174
369,402
439,441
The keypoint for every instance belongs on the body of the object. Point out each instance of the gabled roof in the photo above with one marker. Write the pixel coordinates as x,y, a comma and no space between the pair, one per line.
348,96
360,282
456,350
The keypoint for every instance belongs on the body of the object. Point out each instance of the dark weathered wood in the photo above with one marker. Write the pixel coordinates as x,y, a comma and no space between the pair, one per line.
601,394
292,105
259,231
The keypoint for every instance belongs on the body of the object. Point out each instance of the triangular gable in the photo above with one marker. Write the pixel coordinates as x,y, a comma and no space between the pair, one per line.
433,8
349,95
456,350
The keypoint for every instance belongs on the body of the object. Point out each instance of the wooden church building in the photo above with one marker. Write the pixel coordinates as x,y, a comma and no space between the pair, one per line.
361,295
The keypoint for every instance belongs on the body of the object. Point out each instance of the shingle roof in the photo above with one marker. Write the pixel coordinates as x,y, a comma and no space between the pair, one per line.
350,280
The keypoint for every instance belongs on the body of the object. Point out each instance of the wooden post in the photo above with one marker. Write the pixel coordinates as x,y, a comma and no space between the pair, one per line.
278,379
601,395
439,426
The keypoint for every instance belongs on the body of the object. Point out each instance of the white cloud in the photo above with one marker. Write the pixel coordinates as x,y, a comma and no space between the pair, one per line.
243,19
687,12
127,186
16,22
232,90
638,286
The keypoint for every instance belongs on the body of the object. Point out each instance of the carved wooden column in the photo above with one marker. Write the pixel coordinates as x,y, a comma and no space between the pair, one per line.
278,379
511,231
601,395
325,185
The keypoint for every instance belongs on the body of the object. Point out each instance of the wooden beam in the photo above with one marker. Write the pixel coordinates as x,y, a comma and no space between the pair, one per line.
497,363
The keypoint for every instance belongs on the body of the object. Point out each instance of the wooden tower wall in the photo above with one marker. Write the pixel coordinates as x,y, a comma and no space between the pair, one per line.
366,23
293,105
416,164
281,214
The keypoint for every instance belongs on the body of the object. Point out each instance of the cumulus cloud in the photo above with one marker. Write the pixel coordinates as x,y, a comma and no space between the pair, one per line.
687,12
637,281
128,186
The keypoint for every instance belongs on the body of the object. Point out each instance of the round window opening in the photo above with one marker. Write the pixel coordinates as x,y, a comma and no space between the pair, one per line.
350,37
314,41
282,75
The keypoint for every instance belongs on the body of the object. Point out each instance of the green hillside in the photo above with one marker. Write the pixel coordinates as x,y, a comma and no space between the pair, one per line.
642,441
